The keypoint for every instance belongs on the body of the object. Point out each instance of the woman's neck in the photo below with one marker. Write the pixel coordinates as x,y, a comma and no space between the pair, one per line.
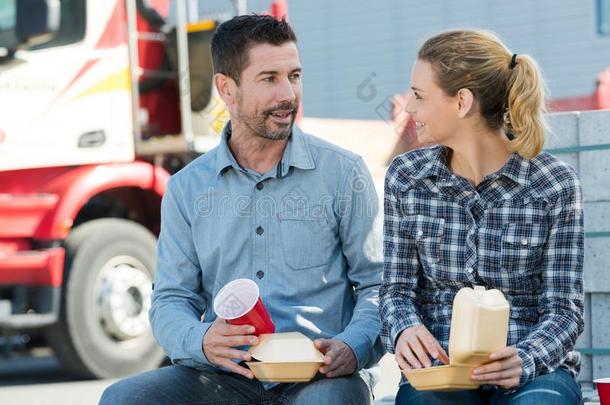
478,153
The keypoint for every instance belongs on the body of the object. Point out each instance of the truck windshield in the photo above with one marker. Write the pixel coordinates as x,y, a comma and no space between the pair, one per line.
7,23
71,25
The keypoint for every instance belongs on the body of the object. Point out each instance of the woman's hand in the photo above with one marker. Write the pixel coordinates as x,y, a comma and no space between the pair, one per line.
415,346
504,371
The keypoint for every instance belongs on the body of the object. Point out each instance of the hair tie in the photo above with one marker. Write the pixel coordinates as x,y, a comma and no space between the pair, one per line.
513,61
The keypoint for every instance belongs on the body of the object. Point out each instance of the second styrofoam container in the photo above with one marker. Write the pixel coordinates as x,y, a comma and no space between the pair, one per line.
479,327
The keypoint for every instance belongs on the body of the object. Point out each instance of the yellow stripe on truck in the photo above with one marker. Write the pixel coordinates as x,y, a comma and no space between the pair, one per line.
114,82
207,25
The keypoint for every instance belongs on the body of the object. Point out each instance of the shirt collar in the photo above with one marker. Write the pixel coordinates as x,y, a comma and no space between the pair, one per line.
436,166
297,153
516,168
224,157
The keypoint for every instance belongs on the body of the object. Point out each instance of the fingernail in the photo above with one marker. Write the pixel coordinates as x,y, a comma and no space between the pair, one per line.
253,340
434,355
251,329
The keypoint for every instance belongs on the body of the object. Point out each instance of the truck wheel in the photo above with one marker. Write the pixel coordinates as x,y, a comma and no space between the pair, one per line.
103,329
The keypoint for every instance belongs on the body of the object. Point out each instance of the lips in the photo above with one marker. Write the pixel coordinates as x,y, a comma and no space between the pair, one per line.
282,115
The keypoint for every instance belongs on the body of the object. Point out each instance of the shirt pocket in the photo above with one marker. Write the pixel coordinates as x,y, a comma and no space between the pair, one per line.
427,232
522,247
306,238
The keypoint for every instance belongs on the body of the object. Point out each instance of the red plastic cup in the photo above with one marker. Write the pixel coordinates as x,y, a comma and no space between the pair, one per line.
239,303
603,389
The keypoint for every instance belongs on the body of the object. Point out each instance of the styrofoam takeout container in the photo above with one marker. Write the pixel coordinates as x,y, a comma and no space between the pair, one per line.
479,327
285,357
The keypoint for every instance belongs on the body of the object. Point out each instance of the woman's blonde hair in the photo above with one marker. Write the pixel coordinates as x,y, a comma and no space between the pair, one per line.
509,89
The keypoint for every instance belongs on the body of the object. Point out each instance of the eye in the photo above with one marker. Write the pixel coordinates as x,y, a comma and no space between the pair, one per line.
417,96
295,77
268,79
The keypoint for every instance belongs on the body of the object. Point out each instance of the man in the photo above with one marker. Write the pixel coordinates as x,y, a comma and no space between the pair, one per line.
272,204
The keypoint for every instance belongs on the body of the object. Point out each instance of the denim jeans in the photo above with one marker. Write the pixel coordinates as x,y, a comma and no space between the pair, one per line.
184,385
557,388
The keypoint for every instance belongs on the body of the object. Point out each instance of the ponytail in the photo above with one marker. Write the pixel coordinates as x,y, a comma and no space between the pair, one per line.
526,106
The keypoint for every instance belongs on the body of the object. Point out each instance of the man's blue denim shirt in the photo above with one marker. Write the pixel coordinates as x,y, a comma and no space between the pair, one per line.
305,232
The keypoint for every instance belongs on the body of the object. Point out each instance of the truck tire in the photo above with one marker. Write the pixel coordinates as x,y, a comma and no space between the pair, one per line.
103,329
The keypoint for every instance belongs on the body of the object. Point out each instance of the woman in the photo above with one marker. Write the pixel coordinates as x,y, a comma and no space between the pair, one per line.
483,207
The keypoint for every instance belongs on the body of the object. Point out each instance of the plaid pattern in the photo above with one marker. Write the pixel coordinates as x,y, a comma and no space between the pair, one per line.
520,231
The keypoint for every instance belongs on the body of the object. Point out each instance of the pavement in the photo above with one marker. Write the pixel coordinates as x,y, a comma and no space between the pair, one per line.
38,379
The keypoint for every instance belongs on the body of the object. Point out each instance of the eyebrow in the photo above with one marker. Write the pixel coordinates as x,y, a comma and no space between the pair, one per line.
275,72
415,89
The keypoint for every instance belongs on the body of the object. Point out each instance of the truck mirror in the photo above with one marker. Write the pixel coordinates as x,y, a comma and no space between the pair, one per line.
37,20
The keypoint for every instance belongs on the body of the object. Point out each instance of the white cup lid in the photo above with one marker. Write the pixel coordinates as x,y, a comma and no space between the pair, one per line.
236,298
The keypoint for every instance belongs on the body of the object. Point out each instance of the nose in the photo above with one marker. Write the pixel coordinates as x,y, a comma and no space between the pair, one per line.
286,91
410,104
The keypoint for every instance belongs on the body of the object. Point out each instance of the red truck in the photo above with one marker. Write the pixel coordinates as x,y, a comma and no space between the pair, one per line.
100,102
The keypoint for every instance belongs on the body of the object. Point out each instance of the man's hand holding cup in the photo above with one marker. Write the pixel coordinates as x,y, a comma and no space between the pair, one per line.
220,342
242,316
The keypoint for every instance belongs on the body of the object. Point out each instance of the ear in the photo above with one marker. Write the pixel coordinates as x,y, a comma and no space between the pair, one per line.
465,100
226,87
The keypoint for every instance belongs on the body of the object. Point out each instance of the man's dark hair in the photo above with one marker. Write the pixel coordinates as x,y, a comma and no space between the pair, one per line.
233,39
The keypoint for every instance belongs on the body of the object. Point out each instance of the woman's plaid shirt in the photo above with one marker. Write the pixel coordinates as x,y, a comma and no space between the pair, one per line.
520,231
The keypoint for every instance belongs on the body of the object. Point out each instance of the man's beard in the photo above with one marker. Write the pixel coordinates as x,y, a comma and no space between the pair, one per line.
258,122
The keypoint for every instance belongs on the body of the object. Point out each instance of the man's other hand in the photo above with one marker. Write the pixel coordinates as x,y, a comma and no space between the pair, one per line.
339,359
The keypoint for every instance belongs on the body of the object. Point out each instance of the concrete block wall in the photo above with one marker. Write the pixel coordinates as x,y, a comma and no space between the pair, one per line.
582,139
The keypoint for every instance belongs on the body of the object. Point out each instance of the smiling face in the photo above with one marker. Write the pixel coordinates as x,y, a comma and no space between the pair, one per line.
435,113
268,95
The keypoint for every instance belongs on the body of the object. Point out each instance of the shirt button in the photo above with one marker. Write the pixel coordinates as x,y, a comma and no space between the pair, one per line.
494,184
524,242
260,274
259,186
420,233
260,230
469,269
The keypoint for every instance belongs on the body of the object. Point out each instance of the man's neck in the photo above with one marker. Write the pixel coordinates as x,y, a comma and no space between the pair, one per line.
254,152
